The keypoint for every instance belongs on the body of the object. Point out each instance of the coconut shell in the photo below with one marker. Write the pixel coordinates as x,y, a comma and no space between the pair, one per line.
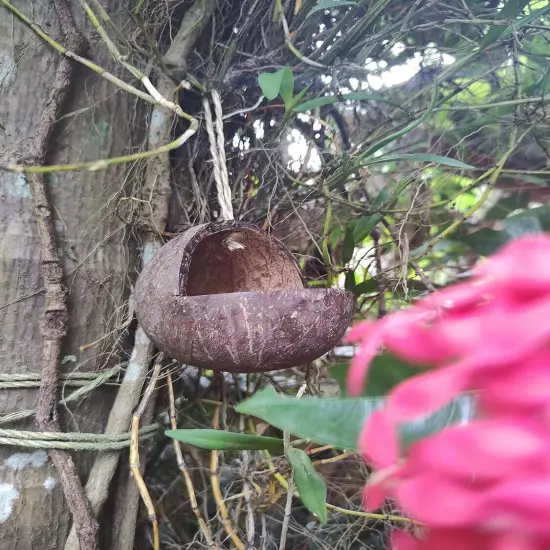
228,296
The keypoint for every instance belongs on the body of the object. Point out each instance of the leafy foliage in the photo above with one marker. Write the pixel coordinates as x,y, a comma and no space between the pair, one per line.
280,83
510,10
330,4
224,441
337,422
385,373
311,486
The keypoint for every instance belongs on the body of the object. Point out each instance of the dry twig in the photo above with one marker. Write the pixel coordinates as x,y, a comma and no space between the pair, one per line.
217,492
184,470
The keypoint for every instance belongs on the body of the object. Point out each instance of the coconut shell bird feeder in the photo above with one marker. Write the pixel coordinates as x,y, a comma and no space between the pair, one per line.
227,296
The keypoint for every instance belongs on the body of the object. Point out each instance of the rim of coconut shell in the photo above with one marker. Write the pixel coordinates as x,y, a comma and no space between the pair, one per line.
213,228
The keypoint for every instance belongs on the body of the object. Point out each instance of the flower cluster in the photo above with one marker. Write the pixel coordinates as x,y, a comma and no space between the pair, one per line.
485,485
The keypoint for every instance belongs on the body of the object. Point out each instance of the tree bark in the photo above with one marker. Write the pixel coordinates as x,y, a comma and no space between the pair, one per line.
100,122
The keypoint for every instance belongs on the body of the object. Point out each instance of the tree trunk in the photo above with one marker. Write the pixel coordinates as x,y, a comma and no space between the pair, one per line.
101,121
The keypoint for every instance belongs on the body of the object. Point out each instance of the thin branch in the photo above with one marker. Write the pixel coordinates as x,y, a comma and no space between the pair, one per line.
205,529
153,97
55,317
102,164
217,492
290,484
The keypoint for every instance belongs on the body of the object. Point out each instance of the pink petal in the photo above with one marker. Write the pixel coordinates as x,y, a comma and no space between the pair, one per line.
378,440
418,344
519,387
482,451
523,502
514,541
457,297
374,496
426,393
360,364
515,333
456,539
404,541
373,339
440,502
499,332
361,331
523,264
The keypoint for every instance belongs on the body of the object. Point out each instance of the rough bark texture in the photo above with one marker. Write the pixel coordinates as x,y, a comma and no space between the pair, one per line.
227,296
55,319
91,241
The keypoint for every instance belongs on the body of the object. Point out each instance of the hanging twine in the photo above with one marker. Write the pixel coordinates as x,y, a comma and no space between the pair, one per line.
217,150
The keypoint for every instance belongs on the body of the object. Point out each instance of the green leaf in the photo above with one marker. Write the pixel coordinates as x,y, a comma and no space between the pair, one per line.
349,245
311,104
382,199
385,373
527,225
460,411
296,99
486,241
535,180
349,283
310,485
421,157
315,103
364,226
270,84
540,213
366,287
510,10
330,4
339,372
279,82
527,20
219,440
371,285
338,422
506,206
287,87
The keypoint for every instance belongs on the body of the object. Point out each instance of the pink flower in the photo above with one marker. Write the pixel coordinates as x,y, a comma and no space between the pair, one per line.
475,330
520,388
460,539
487,484
522,265
483,478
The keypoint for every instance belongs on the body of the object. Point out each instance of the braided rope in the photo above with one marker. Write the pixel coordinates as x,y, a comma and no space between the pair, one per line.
74,379
75,436
72,441
100,379
217,150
